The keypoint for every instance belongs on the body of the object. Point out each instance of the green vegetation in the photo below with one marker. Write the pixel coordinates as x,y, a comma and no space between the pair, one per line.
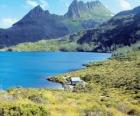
67,43
73,25
116,80
117,72
127,52
45,45
112,89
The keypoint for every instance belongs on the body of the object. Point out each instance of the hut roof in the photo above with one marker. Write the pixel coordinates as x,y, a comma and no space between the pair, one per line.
75,79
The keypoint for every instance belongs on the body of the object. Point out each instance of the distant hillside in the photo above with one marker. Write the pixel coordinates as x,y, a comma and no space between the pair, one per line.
39,24
67,43
122,30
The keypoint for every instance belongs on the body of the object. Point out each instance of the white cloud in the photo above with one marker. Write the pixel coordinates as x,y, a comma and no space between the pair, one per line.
7,22
44,4
125,5
33,3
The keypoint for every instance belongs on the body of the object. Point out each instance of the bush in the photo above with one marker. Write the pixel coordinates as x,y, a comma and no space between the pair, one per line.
37,99
23,110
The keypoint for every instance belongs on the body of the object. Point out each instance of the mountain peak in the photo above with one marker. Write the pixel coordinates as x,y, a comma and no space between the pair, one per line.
37,11
87,10
38,7
34,14
74,1
135,11
96,3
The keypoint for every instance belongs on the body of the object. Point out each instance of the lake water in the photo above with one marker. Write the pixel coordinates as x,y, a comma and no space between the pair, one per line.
30,69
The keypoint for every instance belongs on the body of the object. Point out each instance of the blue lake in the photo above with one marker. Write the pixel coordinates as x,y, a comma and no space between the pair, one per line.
30,69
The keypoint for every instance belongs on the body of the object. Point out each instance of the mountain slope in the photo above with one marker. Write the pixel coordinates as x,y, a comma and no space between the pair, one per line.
39,24
123,29
38,18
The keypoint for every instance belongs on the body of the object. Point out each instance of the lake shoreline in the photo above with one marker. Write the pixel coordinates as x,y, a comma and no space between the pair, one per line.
55,78
34,67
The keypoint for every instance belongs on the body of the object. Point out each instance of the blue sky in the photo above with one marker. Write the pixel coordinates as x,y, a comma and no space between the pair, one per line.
13,10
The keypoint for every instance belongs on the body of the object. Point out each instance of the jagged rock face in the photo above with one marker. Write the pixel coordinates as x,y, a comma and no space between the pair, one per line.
123,29
89,10
39,24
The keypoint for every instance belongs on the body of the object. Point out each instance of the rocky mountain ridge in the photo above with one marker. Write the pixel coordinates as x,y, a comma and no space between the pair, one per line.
88,10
